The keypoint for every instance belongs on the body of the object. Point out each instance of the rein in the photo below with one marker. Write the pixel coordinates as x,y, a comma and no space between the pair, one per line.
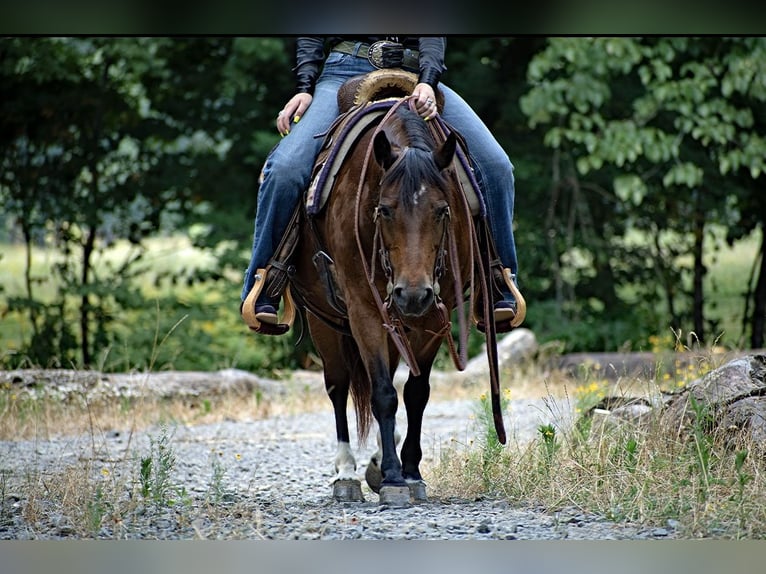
392,323
482,266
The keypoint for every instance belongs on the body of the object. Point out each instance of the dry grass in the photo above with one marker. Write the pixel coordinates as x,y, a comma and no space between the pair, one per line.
125,499
98,498
643,473
122,496
24,415
44,416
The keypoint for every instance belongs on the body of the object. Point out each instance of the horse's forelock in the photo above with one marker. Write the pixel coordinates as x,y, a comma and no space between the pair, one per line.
416,168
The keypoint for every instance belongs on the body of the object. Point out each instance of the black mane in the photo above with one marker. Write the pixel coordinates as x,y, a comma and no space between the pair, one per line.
417,167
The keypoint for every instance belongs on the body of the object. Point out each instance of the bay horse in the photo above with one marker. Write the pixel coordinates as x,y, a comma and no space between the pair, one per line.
369,267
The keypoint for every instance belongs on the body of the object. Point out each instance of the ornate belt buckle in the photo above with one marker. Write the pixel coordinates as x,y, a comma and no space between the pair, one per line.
375,53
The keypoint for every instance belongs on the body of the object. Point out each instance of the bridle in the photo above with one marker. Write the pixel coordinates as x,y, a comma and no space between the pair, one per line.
390,316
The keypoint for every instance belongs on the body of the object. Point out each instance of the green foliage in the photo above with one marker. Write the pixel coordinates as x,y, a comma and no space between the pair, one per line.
485,422
669,130
593,329
199,331
626,150
109,138
549,445
156,473
702,445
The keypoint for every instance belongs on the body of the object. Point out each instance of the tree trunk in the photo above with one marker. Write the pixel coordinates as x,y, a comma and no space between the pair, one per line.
31,308
666,282
91,221
699,274
550,224
87,253
759,306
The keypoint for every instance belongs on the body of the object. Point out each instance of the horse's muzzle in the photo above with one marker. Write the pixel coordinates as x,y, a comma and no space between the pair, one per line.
413,301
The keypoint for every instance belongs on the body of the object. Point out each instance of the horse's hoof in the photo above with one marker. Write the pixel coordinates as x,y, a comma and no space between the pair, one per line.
395,495
373,476
347,490
417,491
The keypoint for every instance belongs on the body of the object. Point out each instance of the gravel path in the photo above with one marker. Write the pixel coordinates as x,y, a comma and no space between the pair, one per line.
270,479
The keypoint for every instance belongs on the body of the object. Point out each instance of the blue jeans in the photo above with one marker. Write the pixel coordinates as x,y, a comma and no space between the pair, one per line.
287,171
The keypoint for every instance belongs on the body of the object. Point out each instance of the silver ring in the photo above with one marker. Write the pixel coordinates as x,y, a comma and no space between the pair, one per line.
429,101
280,113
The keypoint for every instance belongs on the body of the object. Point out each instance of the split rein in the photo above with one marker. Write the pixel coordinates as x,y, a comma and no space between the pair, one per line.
389,315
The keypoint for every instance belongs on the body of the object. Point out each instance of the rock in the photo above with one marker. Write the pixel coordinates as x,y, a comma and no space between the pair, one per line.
730,400
516,347
642,365
73,384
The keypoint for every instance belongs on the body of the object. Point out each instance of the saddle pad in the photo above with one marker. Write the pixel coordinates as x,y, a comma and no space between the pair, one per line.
344,134
338,142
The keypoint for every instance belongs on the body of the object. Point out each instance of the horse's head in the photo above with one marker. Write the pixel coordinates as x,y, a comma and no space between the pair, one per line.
412,211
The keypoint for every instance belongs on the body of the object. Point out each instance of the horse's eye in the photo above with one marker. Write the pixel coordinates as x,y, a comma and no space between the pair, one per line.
442,212
384,211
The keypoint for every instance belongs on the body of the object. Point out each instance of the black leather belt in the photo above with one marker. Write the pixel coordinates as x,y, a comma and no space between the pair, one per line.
382,54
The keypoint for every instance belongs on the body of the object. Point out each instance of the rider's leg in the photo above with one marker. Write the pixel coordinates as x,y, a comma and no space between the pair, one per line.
287,171
494,173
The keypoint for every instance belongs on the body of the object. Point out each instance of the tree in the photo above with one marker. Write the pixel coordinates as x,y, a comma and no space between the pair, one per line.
104,138
676,126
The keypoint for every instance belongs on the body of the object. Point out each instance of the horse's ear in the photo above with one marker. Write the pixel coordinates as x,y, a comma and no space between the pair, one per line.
383,154
443,156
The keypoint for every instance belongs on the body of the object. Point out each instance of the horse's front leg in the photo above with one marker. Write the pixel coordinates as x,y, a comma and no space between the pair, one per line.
393,487
416,393
346,486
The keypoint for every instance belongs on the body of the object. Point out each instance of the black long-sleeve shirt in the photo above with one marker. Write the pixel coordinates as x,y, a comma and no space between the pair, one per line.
310,54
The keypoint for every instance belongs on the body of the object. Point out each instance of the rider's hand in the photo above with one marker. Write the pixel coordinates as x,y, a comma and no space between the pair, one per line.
292,112
424,101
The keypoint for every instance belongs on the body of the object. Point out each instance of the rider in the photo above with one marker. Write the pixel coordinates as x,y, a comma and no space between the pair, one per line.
287,171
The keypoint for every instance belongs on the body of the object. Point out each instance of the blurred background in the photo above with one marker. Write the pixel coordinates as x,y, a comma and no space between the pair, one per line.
129,179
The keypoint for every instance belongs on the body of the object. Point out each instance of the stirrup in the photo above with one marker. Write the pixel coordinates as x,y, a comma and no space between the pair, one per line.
247,309
505,325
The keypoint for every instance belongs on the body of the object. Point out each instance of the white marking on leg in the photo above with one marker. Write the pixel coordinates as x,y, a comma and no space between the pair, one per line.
345,463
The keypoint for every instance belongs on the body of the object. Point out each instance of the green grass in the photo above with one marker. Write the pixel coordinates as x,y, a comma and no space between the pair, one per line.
180,326
728,271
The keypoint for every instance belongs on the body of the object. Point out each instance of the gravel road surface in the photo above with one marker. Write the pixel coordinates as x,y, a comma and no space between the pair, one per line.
270,479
